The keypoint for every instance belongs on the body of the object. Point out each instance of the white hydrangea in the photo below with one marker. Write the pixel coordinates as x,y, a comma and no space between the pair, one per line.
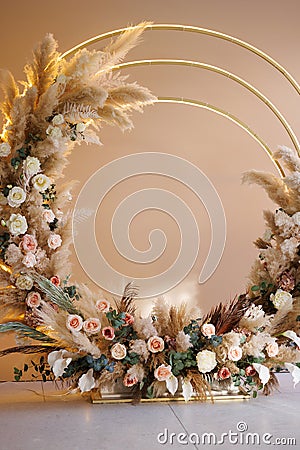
289,247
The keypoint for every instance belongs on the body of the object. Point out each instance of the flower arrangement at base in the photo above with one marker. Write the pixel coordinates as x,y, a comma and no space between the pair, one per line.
83,338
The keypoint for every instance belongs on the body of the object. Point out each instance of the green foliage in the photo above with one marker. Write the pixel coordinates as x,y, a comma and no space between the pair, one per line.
116,319
263,288
4,243
40,370
131,358
88,362
181,360
49,195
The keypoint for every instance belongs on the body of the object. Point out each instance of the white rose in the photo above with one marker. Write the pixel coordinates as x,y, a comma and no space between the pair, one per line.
24,282
280,298
74,322
118,351
29,260
58,119
54,133
16,197
17,224
5,149
48,215
31,166
80,127
206,361
235,353
54,241
41,182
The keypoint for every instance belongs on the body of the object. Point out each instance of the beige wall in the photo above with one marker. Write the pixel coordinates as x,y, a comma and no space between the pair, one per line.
217,146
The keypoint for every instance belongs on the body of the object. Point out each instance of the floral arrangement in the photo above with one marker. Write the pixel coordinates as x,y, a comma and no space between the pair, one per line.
88,341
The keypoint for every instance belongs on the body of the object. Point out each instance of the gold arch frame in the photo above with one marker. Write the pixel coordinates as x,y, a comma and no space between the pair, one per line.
242,82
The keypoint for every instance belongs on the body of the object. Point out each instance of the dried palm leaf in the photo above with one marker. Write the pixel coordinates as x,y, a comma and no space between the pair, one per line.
25,331
225,317
200,385
126,304
27,349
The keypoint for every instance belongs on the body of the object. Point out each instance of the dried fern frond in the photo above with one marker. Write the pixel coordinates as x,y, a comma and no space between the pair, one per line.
75,112
25,331
225,317
260,243
126,304
27,349
42,72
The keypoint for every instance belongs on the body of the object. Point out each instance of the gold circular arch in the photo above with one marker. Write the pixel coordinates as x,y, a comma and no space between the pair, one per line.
193,29
230,75
231,117
223,36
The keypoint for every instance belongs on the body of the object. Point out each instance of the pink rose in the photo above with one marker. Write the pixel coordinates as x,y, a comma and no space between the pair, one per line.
74,322
208,330
108,333
235,353
224,373
28,243
92,325
48,215
29,260
129,380
128,319
250,371
54,241
272,349
102,305
55,280
155,344
33,299
163,372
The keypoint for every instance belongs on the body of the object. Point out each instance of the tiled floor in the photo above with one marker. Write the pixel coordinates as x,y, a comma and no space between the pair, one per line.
31,421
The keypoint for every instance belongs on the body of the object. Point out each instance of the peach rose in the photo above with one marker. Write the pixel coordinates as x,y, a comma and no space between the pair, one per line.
55,280
33,299
48,215
129,380
28,243
108,333
163,372
29,260
74,322
208,330
128,319
92,325
155,344
235,353
102,305
224,373
272,349
54,241
250,371
118,351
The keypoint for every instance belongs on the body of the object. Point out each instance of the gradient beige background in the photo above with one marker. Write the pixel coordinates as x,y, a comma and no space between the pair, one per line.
217,146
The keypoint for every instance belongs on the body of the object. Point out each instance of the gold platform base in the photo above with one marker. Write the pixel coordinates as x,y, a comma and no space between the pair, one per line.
97,398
